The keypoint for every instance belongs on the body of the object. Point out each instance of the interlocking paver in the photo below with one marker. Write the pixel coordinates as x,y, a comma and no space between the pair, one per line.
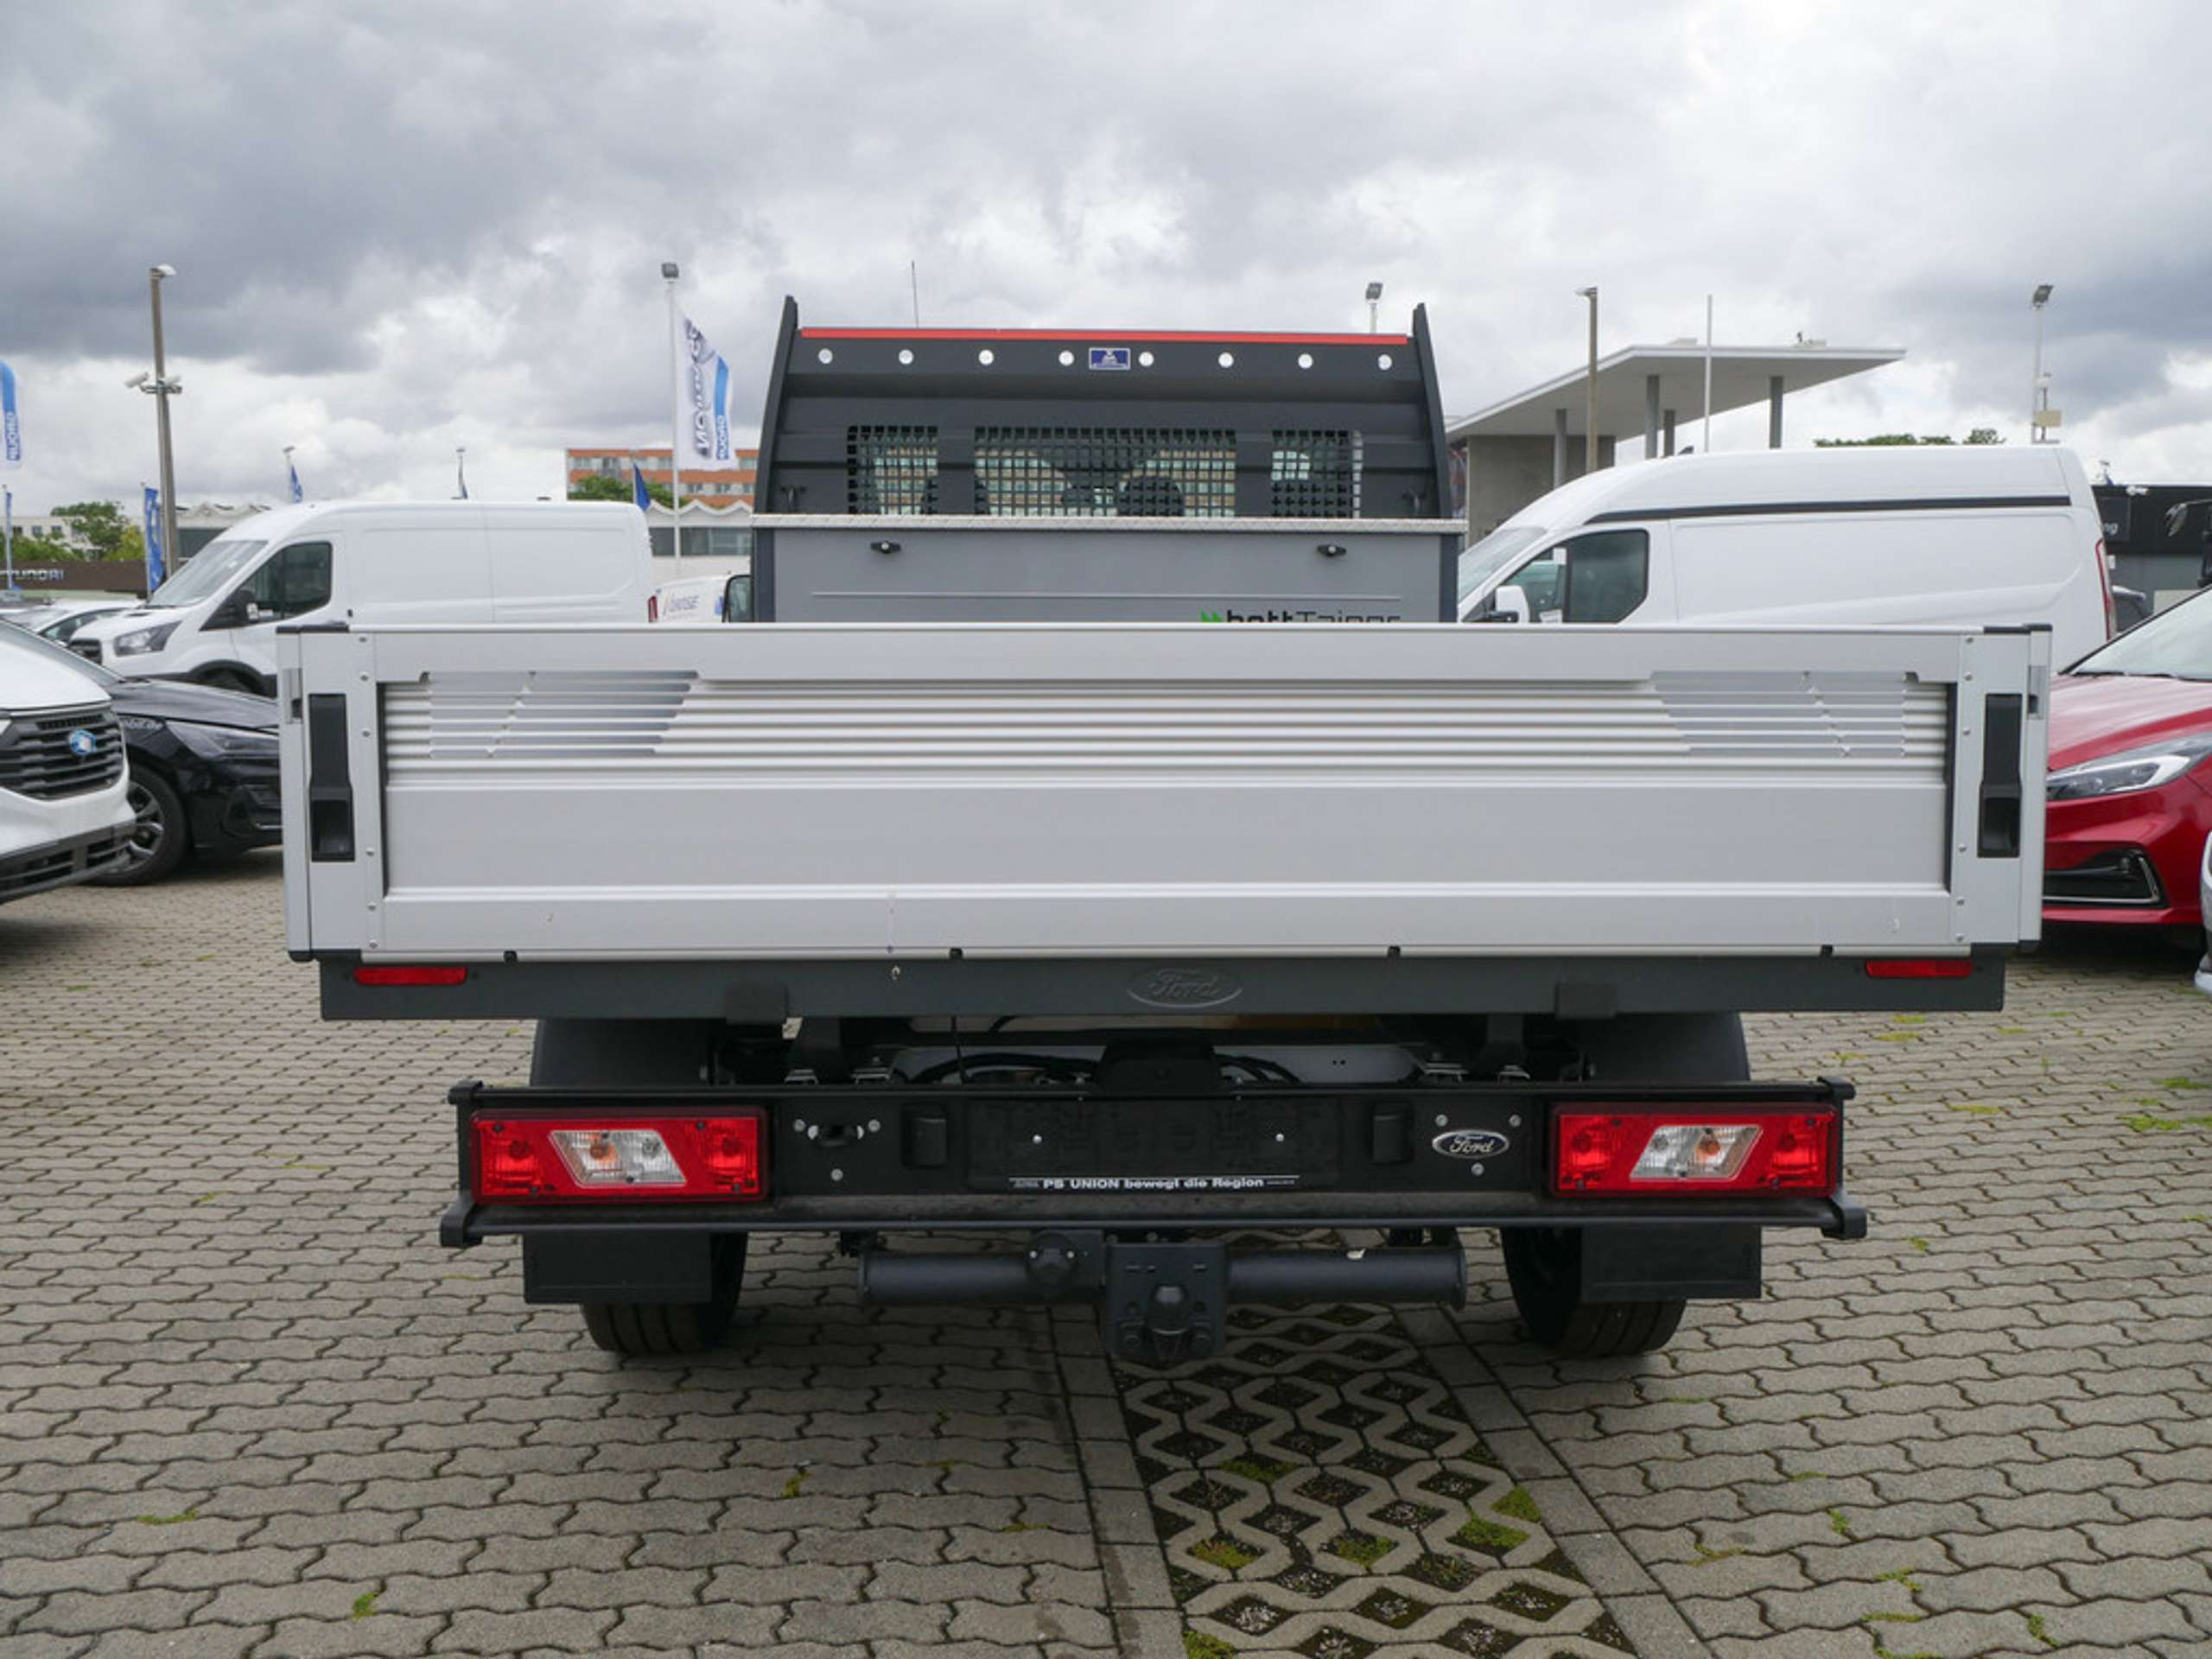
240,1384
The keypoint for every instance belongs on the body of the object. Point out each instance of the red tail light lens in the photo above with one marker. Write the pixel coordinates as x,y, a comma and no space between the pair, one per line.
1920,967
625,1159
1717,1149
412,973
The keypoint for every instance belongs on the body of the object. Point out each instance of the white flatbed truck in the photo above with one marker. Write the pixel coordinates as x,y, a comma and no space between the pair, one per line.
1114,935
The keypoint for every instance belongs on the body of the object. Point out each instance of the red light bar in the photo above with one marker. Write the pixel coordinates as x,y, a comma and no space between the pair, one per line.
416,974
1920,967
621,1158
1690,1150
1114,336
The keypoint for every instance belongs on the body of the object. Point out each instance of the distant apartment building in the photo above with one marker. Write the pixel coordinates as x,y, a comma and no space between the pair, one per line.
732,487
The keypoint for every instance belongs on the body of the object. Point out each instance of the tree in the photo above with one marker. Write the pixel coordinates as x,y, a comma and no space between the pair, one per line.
41,549
602,486
1979,435
104,530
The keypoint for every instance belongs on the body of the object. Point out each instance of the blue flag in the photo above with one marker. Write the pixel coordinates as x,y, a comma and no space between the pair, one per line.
298,494
156,566
639,492
11,429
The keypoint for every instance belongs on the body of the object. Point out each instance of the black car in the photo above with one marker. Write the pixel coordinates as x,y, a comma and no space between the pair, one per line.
203,767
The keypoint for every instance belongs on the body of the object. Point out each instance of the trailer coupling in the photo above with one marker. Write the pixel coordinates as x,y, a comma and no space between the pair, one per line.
1164,1302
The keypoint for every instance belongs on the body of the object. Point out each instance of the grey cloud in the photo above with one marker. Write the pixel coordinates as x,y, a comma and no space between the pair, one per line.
431,216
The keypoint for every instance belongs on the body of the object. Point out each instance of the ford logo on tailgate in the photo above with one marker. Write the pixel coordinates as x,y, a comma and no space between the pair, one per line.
1184,987
1469,1143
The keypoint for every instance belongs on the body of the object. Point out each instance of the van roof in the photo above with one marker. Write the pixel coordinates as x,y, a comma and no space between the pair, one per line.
1803,477
279,522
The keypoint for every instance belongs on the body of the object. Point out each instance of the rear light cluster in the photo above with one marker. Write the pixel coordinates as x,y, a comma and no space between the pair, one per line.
1715,1150
563,1159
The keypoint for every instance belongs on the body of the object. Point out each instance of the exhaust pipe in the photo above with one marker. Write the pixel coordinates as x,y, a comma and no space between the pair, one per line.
889,1278
1426,1275
1400,1274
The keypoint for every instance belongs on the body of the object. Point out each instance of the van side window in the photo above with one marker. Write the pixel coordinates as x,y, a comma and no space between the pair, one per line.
295,581
1607,575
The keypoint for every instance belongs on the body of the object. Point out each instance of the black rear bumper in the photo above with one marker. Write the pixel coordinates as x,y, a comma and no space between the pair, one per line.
863,1158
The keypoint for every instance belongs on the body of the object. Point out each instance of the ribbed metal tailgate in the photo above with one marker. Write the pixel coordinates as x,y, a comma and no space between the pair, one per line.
800,791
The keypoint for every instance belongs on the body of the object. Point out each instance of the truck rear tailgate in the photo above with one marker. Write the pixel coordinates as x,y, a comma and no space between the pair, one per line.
888,790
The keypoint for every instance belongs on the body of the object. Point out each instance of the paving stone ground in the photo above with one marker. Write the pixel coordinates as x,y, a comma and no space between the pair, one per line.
248,1407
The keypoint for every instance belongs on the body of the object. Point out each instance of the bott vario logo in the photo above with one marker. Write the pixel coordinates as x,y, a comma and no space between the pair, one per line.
1469,1143
1273,615
83,744
1184,987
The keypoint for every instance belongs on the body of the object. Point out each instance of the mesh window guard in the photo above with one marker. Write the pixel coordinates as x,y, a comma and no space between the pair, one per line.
891,470
1105,472
1315,474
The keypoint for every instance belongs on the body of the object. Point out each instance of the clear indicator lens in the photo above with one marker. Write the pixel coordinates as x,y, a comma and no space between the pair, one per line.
1695,1151
617,1157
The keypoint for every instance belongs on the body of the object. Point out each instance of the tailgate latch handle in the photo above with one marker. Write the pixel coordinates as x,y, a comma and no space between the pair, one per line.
330,783
1999,833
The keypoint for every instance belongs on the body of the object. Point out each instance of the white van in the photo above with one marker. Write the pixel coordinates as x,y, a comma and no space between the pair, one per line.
64,812
215,621
697,599
1939,535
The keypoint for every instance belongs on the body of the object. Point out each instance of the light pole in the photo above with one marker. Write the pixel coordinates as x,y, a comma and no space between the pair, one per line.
1590,437
162,388
2038,394
669,271
1374,308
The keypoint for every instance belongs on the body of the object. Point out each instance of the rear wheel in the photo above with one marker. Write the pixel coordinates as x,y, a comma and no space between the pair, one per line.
654,1330
231,679
159,833
1543,1265
643,1053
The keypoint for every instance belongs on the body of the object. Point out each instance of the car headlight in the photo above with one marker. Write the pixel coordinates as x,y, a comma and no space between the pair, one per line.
2129,771
220,742
139,641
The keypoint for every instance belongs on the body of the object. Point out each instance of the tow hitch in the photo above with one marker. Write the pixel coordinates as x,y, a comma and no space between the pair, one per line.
1162,1302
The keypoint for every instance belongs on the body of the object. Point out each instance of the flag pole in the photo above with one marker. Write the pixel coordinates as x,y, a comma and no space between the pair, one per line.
669,271
1706,443
8,531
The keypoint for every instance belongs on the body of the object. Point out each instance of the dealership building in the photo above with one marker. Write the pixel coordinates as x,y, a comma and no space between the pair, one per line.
1507,454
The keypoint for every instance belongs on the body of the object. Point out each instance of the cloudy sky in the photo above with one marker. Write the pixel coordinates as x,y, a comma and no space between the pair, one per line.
442,222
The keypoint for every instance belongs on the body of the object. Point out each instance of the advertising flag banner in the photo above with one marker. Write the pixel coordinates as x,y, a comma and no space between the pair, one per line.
703,396
293,471
157,564
639,492
11,427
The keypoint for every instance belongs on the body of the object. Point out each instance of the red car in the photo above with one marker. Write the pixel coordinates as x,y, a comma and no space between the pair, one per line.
2129,802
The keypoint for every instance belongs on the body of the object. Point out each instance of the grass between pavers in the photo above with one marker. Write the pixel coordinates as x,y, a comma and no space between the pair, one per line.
2146,1123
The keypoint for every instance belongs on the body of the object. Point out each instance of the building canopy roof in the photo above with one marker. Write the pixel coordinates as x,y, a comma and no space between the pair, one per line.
1741,378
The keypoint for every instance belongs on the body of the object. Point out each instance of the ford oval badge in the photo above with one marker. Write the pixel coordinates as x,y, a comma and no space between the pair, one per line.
1469,1143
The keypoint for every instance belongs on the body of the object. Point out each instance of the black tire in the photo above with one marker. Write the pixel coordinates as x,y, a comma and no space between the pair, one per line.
160,837
658,1330
643,1053
231,679
1543,1265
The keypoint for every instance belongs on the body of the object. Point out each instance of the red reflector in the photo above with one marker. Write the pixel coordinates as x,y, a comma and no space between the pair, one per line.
1920,967
619,1158
424,974
1689,1150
